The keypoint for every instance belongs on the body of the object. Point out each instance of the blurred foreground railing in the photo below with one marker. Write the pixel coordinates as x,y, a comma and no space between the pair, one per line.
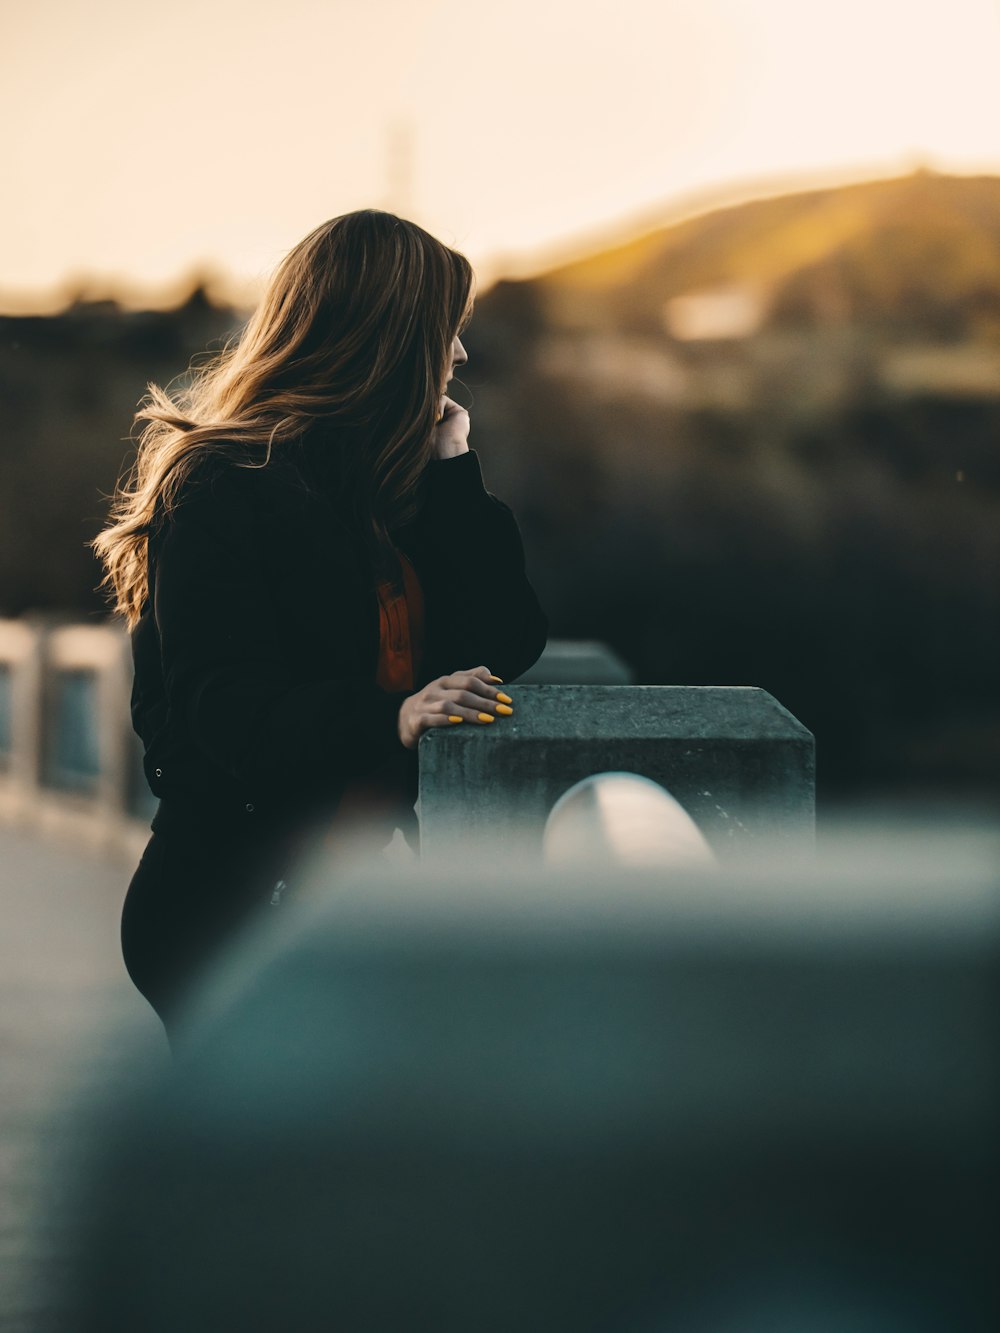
494,1097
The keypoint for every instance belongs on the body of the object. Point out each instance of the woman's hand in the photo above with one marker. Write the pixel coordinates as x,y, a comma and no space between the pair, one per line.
464,696
451,434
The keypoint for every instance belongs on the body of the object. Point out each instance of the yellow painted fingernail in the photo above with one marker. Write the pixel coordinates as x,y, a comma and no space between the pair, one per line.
486,717
502,708
504,698
496,678
454,719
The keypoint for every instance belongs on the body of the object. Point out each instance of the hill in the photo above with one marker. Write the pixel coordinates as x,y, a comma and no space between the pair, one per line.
923,247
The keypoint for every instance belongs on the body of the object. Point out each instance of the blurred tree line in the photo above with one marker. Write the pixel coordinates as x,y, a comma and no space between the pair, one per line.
70,384
811,506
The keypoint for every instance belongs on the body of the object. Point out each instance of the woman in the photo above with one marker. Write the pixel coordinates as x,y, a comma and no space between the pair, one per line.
308,562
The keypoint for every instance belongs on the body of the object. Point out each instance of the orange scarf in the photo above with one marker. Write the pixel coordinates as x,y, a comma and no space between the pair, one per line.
375,800
401,631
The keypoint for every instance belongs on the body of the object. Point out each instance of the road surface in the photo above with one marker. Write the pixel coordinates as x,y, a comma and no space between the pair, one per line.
71,1023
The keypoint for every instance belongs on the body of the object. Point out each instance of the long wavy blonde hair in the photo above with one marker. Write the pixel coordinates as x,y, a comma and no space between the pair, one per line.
355,333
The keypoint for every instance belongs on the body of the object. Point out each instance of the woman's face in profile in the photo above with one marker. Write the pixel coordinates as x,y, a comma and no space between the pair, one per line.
458,356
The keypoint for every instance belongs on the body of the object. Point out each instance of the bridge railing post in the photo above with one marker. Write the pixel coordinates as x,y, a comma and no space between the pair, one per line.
66,743
22,667
739,764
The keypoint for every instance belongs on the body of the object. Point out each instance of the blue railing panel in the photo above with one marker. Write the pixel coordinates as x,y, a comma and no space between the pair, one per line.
74,754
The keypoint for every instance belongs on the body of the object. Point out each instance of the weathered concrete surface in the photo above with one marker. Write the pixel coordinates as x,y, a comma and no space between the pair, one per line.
737,761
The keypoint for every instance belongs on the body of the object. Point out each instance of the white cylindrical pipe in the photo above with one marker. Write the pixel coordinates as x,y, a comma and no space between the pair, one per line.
622,819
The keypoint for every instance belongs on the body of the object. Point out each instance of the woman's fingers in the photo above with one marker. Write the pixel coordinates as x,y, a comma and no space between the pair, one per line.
440,719
480,673
471,699
472,708
472,696
475,695
480,681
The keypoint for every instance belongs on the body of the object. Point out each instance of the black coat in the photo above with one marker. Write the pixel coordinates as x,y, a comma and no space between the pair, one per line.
256,653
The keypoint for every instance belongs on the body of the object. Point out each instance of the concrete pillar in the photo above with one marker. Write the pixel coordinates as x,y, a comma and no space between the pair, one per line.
737,761
578,662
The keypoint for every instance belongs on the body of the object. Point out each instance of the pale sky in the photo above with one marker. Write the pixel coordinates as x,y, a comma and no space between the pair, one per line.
140,140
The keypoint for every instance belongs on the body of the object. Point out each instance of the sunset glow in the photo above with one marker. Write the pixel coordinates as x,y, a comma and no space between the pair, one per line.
144,142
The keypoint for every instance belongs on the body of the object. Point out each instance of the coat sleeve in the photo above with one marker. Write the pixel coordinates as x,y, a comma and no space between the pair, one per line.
481,608
245,691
